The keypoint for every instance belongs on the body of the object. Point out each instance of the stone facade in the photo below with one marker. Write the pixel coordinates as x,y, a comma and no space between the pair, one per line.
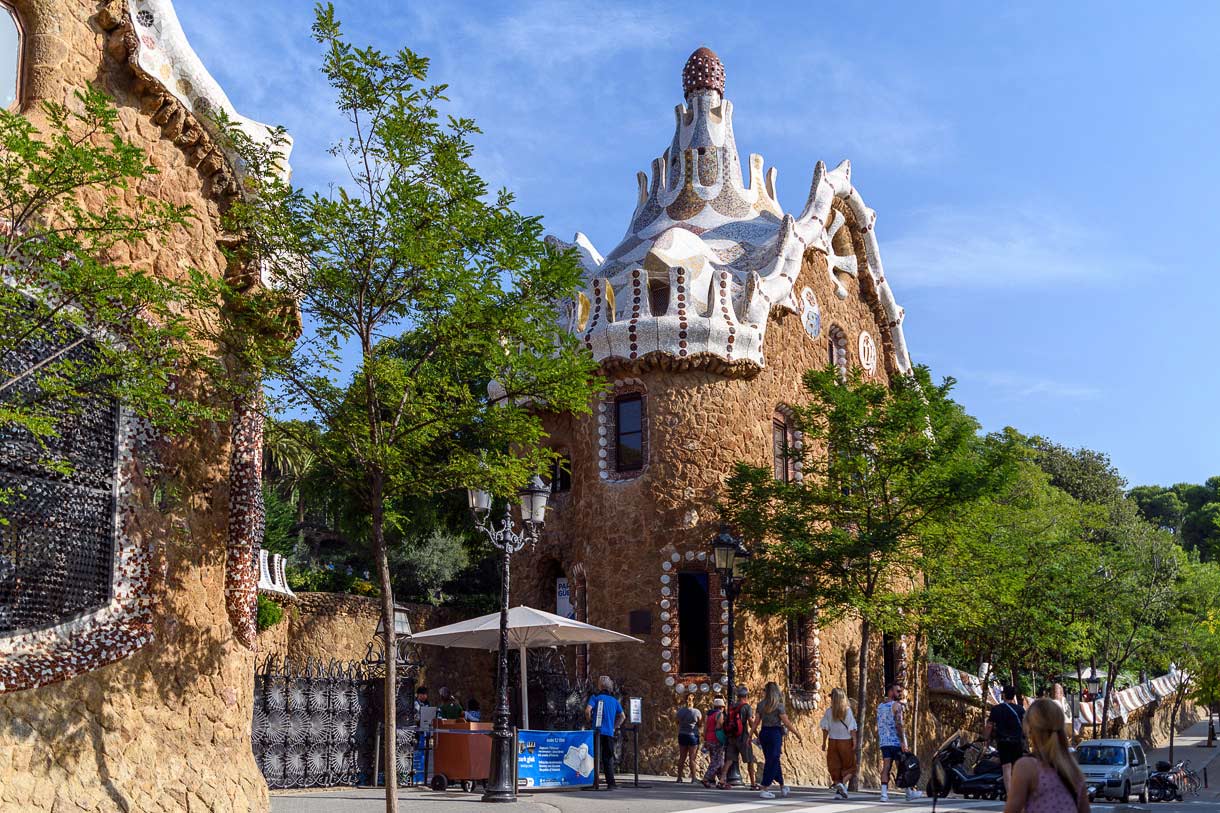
622,539
158,718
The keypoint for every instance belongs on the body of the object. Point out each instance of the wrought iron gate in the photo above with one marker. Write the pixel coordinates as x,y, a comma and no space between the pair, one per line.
316,725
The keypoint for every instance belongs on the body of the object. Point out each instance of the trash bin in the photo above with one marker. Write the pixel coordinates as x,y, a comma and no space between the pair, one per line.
461,753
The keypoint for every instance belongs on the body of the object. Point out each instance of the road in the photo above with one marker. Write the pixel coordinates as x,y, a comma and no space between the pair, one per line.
663,795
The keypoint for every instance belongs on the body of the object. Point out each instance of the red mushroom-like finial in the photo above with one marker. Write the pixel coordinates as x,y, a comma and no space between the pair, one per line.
703,71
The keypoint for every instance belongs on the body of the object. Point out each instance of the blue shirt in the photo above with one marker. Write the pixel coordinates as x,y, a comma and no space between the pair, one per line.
611,709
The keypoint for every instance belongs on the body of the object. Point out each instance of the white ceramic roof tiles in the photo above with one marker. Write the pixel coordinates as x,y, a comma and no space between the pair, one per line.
166,56
726,250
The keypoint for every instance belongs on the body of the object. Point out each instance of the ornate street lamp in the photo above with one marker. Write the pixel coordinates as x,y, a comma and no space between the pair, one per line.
729,556
500,785
402,636
1093,685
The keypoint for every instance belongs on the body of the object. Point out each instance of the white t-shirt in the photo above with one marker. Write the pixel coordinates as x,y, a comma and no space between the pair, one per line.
838,729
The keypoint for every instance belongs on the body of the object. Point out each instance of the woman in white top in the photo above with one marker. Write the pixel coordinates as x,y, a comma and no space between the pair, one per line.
839,728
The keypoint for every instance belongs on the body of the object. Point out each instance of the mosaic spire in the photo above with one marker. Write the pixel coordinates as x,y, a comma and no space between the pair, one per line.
708,253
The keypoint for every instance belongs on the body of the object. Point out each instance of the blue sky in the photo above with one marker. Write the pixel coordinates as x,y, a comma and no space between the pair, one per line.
1044,177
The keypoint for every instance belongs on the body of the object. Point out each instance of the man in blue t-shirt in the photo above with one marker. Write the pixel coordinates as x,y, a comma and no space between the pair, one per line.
605,713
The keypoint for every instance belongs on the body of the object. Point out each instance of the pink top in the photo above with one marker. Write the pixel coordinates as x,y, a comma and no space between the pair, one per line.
1051,795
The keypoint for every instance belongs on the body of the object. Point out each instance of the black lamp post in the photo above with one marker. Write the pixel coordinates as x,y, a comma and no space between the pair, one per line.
1093,686
729,556
500,786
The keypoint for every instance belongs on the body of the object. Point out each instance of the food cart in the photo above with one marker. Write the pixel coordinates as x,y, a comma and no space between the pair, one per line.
461,752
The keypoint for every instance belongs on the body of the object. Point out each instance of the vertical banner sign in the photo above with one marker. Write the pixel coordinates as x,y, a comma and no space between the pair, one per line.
563,599
635,710
554,759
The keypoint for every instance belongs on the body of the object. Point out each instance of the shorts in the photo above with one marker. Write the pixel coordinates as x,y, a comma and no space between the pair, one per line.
1009,751
891,751
688,740
740,748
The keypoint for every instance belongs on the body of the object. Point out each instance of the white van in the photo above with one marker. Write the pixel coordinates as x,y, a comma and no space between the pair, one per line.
1116,768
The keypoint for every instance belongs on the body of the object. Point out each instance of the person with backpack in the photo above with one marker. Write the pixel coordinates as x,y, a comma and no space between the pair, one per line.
773,723
738,733
892,737
1005,723
688,736
713,742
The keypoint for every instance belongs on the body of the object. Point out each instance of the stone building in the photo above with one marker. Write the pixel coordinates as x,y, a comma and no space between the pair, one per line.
704,318
126,645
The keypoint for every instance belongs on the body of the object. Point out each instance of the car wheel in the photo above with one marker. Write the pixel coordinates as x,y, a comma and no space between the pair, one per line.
1125,796
440,782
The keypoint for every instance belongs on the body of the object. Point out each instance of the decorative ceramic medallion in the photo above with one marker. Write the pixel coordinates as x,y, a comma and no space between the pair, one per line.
811,314
868,353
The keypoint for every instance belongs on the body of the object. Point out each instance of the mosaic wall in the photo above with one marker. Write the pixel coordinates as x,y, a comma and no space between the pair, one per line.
246,515
722,248
57,534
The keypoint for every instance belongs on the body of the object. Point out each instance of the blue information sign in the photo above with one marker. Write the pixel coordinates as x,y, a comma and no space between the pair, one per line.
554,759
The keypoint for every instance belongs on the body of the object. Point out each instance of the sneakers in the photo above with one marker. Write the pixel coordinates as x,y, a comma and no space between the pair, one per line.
783,791
913,794
840,790
885,793
766,794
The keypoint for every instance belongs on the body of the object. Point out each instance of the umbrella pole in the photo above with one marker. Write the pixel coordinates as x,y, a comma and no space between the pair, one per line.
525,694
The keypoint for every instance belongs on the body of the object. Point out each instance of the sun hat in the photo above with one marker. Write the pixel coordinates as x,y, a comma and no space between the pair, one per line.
718,703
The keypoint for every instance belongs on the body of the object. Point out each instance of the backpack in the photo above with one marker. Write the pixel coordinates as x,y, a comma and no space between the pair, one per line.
733,726
712,732
908,770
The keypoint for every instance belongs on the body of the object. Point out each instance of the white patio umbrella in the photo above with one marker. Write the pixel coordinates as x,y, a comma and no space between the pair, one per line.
527,628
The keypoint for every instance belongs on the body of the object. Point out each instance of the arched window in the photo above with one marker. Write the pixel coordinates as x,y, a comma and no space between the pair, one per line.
11,61
658,297
694,623
622,431
803,653
629,432
780,446
561,473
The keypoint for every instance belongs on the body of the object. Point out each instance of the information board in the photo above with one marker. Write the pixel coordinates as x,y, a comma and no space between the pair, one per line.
635,714
554,759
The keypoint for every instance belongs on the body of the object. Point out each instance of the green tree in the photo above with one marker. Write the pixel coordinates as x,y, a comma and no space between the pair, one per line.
1138,577
1008,577
1190,511
846,541
1190,639
431,286
76,322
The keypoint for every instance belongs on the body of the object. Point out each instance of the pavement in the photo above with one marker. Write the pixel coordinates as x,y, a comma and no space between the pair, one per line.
662,795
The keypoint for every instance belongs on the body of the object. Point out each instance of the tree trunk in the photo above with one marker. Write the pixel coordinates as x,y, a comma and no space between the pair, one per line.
1173,719
861,699
913,673
1111,675
389,727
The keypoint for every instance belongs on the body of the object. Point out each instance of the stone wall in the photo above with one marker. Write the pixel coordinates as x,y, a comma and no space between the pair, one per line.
322,626
613,538
168,727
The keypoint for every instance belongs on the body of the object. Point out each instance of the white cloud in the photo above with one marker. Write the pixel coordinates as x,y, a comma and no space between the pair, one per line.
1008,248
868,115
1018,386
